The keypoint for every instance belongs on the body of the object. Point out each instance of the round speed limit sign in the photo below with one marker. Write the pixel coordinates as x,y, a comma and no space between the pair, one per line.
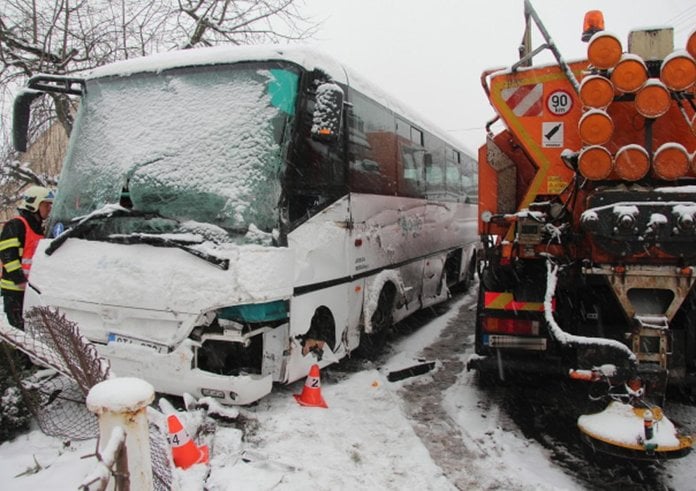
559,102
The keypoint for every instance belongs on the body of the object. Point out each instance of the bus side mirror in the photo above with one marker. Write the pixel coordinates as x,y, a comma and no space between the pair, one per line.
20,118
328,113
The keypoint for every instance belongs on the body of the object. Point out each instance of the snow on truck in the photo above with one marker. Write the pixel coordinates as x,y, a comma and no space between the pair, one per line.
228,217
587,214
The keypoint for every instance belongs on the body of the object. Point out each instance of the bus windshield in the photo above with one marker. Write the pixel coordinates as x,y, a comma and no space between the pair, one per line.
202,145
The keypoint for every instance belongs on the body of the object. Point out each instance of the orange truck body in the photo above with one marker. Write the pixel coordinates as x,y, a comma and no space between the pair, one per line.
620,243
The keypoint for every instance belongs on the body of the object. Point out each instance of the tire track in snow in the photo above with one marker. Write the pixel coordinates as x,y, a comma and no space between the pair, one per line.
475,459
440,434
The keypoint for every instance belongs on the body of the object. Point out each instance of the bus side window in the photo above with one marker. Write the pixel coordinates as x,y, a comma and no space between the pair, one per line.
315,174
411,159
413,178
371,146
435,167
433,175
411,167
453,174
470,179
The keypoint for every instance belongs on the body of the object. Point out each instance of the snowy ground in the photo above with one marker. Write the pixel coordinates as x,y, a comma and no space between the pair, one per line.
417,433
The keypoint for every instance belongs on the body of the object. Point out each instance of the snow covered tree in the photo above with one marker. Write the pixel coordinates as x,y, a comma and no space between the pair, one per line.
66,36
14,413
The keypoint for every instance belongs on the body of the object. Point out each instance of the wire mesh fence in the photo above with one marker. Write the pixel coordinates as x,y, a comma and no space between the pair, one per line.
56,394
58,405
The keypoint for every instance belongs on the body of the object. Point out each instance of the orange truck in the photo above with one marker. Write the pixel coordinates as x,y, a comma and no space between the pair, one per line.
587,214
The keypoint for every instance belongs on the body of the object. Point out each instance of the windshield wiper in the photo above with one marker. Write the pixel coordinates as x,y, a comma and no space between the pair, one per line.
160,241
85,224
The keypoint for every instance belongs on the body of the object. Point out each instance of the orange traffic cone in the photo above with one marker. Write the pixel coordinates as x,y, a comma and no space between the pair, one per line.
184,452
311,393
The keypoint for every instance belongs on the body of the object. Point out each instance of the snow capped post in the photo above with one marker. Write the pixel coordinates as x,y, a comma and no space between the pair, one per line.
120,404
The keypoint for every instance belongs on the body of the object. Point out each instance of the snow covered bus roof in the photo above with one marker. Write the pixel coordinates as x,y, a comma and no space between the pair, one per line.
217,55
303,56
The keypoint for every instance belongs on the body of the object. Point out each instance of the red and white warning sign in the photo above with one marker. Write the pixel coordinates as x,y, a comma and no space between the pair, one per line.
525,100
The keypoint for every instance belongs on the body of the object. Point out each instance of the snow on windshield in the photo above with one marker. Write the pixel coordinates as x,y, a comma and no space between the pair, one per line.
202,145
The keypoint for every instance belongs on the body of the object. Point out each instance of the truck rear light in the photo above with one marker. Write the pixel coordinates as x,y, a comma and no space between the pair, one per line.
595,127
630,74
671,161
596,91
496,325
604,50
632,162
595,163
678,71
653,99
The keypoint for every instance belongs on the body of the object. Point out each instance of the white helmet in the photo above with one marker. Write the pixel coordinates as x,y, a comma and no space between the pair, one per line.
33,196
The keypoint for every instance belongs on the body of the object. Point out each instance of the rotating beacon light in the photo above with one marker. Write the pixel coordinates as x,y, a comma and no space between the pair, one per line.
592,24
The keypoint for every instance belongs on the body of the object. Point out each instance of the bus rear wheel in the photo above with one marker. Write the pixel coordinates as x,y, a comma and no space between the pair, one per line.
470,275
372,343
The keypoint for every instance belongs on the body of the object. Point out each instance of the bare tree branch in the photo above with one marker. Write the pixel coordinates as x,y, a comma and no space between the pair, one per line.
68,36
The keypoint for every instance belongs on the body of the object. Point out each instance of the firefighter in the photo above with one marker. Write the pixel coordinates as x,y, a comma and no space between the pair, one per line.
18,241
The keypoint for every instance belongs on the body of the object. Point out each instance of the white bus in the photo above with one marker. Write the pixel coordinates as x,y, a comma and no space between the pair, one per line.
227,217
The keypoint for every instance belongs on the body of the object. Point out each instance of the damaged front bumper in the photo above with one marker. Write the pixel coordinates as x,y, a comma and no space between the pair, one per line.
175,373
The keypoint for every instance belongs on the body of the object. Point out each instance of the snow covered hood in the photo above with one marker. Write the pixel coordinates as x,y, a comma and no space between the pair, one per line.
143,277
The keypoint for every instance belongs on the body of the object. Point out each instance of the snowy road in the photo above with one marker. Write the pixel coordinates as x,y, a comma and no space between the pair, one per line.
470,437
516,436
436,431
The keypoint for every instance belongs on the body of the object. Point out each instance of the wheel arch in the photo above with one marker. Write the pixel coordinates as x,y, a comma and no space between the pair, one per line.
389,279
323,326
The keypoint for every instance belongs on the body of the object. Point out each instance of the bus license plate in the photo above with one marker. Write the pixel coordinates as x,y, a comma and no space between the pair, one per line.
121,339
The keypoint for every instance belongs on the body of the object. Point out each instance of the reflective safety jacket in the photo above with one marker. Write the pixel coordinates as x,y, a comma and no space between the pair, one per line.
17,249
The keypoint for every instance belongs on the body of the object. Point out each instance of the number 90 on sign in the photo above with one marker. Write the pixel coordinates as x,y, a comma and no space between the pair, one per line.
559,102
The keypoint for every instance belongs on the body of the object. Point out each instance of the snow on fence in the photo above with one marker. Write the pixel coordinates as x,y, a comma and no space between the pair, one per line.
120,404
56,398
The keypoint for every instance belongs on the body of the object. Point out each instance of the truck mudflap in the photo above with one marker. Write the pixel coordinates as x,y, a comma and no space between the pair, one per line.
174,373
